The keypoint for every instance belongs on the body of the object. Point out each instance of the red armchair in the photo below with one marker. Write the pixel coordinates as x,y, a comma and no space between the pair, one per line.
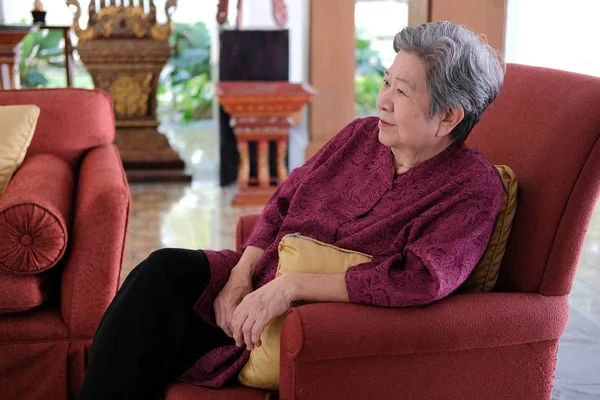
503,345
71,161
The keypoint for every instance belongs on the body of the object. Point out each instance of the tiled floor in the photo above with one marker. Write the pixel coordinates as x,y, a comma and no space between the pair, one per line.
198,216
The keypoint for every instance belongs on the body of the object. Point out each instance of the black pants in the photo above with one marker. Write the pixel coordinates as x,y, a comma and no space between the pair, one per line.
150,334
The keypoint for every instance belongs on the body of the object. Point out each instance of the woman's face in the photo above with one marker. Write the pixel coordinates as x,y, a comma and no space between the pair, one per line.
403,103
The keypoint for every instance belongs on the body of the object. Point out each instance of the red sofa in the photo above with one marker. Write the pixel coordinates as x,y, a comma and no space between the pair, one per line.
503,345
63,220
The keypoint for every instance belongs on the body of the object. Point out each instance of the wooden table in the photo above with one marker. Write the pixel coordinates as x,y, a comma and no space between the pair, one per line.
261,113
10,40
66,30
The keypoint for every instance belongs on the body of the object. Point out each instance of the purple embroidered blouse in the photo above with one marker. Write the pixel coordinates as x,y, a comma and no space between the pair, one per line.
426,228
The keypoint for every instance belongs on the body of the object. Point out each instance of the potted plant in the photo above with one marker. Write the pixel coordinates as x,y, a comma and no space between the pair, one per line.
38,13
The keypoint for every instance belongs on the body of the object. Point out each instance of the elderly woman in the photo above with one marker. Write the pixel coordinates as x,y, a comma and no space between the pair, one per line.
402,187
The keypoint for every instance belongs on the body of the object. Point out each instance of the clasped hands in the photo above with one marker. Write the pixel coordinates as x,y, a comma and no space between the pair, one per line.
243,313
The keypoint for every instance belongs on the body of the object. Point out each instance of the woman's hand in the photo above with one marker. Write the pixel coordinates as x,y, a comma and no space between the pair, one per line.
258,309
237,287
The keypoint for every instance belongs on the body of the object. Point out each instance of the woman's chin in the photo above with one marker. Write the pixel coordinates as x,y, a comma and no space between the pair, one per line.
387,138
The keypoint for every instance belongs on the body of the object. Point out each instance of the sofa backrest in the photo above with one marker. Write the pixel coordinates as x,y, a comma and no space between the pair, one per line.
545,125
71,120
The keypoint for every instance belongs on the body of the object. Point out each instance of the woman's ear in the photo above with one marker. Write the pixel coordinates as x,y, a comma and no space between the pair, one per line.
449,118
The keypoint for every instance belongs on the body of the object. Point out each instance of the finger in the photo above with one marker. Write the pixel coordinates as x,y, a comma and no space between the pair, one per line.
218,315
221,321
226,322
236,328
227,329
257,330
247,331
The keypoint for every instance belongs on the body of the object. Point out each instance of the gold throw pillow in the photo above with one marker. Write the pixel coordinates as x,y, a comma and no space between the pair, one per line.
297,254
484,276
18,125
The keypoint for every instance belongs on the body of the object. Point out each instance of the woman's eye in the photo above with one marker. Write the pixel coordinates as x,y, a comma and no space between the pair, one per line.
386,83
400,91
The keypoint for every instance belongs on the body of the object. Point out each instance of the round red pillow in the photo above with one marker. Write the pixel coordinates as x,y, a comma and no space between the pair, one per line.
35,213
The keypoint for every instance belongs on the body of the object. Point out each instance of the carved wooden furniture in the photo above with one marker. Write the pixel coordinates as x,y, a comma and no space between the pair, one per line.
125,49
10,39
261,112
238,62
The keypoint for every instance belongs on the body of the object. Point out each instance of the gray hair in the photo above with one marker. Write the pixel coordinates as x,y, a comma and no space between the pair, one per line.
462,71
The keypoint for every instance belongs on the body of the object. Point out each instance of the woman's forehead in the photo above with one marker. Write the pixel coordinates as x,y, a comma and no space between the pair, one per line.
407,68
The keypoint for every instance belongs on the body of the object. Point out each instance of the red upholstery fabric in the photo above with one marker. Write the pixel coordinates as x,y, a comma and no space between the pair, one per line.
24,292
494,346
92,270
34,228
522,371
545,125
326,331
38,370
244,227
36,325
43,352
182,391
71,121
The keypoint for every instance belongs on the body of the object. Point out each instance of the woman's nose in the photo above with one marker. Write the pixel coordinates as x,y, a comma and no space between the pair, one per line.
384,102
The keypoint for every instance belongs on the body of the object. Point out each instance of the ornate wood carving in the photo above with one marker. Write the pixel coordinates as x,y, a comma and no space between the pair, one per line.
261,112
222,11
282,149
124,48
280,13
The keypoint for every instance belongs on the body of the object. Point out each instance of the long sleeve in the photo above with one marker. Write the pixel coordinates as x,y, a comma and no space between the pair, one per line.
267,227
441,251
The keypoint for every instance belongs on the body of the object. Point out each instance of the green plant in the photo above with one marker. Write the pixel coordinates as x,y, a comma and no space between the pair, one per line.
368,76
39,50
185,84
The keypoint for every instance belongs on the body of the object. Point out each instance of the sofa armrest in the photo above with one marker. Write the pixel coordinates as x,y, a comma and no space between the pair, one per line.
341,330
244,227
92,271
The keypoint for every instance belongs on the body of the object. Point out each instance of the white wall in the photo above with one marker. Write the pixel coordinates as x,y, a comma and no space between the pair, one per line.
560,34
15,11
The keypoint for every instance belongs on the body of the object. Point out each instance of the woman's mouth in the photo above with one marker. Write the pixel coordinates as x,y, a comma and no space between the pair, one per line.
383,124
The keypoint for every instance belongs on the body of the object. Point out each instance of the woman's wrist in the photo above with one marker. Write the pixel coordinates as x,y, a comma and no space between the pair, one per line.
315,287
292,284
244,268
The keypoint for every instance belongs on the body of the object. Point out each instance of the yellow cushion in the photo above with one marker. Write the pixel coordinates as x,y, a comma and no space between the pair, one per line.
18,125
484,276
262,370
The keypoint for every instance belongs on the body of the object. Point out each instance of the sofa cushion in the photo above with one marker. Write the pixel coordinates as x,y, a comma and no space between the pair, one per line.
484,276
35,213
72,121
24,292
18,125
